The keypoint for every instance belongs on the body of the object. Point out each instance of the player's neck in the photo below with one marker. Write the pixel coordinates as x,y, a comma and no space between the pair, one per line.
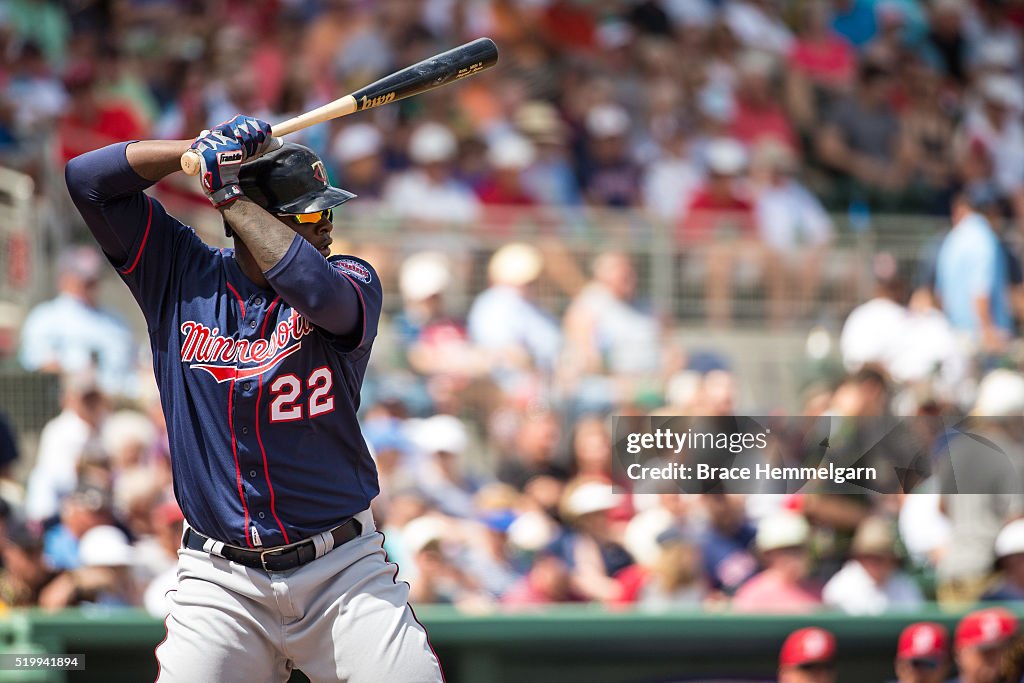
247,264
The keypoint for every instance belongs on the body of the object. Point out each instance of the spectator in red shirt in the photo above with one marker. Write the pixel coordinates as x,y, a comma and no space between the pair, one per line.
502,190
92,123
571,25
759,115
820,54
721,222
547,582
782,587
821,64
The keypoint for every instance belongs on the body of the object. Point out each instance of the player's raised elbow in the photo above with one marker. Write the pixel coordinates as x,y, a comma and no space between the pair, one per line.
82,179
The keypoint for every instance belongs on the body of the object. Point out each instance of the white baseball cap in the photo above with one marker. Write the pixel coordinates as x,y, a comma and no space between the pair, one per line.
1000,394
515,264
356,142
432,143
424,274
105,546
1004,90
441,433
642,532
1010,540
997,52
511,152
590,497
532,531
607,121
421,532
726,156
782,530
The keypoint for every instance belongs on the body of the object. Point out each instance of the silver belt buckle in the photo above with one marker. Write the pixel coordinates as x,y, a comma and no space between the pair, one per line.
272,551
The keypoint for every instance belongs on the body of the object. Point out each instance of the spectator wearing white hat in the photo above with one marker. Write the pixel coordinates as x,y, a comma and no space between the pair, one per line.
782,586
517,334
608,175
435,543
508,158
871,582
596,554
73,333
1009,552
552,179
429,192
443,477
759,115
436,344
992,137
104,576
720,219
356,153
984,458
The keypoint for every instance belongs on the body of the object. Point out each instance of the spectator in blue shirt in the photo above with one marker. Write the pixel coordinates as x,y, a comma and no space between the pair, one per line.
855,20
972,277
727,544
72,333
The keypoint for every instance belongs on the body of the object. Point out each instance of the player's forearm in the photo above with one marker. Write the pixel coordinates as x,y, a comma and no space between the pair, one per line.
155,159
297,271
267,238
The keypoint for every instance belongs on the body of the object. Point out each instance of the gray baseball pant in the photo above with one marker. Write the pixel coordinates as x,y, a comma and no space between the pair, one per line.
341,617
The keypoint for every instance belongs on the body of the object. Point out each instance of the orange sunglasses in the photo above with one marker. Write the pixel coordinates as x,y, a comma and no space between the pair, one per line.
314,217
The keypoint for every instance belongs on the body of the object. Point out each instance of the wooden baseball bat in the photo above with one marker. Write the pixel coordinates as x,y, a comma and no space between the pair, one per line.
441,69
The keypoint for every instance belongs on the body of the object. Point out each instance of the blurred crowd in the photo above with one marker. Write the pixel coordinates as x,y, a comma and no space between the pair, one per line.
735,124
740,124
492,439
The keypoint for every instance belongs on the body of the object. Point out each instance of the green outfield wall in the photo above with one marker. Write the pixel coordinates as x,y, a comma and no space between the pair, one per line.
560,645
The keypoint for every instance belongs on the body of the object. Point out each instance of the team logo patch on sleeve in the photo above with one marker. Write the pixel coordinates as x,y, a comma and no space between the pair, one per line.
353,268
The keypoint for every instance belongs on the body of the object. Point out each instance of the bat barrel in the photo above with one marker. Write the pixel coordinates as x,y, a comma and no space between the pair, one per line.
441,69
453,65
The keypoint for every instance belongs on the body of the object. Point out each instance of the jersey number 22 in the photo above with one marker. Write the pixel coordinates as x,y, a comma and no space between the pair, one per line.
287,404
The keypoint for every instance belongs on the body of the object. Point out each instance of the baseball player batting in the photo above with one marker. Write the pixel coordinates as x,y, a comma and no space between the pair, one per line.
259,352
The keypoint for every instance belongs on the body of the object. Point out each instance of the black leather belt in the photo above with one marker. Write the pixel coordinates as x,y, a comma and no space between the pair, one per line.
277,559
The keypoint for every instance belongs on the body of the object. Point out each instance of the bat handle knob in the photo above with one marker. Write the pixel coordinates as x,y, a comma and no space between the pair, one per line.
190,163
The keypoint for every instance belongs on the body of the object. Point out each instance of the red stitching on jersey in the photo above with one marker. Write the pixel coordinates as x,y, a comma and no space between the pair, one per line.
266,470
235,292
362,303
270,309
145,236
238,470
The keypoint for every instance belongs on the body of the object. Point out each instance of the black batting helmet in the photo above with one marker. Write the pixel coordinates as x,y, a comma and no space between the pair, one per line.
291,179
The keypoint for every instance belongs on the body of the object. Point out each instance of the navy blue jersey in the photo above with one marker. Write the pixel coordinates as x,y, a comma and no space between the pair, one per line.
260,398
